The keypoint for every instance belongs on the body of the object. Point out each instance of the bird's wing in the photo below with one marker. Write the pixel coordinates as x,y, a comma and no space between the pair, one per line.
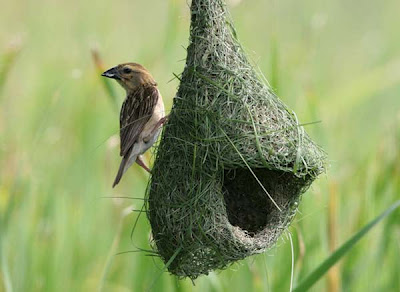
136,111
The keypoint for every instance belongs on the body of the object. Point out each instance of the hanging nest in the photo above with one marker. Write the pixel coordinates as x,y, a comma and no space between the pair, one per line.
233,160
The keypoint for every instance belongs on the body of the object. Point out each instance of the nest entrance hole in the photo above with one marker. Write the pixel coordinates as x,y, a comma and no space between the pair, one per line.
247,204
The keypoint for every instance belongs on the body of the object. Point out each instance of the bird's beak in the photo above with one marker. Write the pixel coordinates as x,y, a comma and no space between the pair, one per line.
112,73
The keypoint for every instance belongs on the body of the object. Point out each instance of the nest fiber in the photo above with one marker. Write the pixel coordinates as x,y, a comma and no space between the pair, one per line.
233,160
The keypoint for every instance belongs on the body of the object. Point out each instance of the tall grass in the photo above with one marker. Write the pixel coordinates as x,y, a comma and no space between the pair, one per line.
335,61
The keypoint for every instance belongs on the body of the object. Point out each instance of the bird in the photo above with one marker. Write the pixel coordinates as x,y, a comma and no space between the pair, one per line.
142,114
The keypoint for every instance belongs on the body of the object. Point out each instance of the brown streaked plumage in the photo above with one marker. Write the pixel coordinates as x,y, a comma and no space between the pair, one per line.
141,116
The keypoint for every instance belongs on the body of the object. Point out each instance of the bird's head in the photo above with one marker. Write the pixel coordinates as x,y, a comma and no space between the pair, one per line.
130,75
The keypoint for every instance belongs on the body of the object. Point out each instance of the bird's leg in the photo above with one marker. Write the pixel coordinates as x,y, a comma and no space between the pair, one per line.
140,161
161,122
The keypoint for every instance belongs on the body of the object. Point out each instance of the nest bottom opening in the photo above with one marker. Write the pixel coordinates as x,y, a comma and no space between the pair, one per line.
249,207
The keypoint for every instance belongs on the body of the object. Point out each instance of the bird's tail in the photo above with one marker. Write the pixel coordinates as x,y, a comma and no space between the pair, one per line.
121,170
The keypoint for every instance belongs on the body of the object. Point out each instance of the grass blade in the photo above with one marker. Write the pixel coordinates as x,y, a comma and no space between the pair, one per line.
8,59
106,82
171,259
320,271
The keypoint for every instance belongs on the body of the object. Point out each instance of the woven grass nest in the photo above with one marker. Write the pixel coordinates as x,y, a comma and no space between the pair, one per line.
232,162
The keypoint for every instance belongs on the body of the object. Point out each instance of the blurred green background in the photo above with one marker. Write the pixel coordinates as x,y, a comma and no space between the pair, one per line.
332,61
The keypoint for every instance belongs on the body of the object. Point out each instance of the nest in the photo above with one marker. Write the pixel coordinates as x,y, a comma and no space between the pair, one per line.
233,160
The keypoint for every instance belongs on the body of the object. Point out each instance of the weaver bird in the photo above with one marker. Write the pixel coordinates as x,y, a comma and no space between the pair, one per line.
142,114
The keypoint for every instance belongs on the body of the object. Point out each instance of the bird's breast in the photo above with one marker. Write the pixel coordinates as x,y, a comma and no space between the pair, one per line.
158,113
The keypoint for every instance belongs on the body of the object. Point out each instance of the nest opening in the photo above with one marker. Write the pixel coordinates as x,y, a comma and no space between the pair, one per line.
248,206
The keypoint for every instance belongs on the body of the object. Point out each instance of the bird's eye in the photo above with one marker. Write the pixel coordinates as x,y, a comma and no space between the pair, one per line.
127,70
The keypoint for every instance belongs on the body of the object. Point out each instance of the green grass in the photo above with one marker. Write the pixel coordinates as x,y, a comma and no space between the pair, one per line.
333,61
